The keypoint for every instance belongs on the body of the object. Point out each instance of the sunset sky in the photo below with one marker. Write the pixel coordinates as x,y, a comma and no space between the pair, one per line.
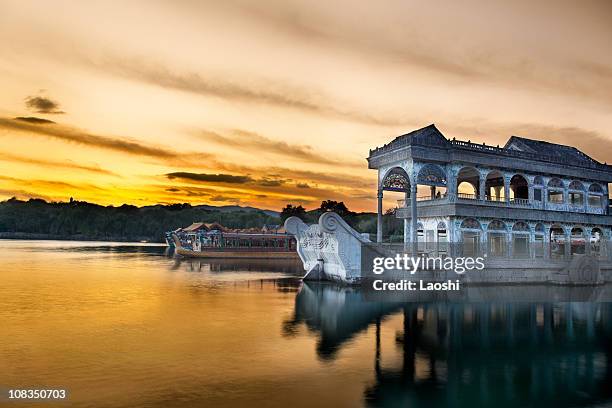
265,103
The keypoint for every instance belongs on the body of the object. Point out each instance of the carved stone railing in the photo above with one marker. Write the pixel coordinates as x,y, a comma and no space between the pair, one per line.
330,249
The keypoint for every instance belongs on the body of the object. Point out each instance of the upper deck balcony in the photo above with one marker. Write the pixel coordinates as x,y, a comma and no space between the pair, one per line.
525,179
471,205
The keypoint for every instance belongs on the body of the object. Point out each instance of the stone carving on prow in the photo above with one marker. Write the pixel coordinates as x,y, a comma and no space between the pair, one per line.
331,222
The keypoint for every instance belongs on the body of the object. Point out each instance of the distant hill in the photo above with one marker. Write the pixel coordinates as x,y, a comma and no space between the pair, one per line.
80,220
226,208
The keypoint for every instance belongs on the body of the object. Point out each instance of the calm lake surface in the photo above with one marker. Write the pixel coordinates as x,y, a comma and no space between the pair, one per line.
125,325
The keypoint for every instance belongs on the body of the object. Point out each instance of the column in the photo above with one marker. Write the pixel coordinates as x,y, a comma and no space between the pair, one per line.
506,189
433,192
379,217
413,207
510,246
530,187
546,242
606,245
568,243
587,241
451,185
481,189
406,232
544,195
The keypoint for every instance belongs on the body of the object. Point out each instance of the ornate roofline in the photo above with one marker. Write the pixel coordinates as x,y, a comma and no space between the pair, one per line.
430,136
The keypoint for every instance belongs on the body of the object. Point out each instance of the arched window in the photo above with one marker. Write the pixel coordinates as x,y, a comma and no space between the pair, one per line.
520,226
576,185
555,183
595,188
396,180
557,241
597,238
595,198
496,225
578,241
496,237
576,195
520,239
555,191
470,223
433,177
470,237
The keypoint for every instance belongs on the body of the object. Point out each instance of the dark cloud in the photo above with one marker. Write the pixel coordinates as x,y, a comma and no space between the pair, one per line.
33,119
71,134
271,182
224,199
302,185
42,104
214,178
173,190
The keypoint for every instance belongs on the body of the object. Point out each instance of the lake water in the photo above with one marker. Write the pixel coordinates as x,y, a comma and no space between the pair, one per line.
125,325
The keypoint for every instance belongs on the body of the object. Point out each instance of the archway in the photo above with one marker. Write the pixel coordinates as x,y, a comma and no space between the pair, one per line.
557,241
576,194
596,241
433,178
468,182
520,239
470,237
519,189
494,186
555,191
577,241
595,195
496,237
395,180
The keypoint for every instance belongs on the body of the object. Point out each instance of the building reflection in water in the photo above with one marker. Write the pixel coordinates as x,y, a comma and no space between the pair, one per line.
507,354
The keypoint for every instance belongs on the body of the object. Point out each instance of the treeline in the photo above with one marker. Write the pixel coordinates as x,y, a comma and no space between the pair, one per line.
79,220
363,222
37,218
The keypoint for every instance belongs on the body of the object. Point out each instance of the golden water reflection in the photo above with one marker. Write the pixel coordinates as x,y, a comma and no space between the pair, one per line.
129,326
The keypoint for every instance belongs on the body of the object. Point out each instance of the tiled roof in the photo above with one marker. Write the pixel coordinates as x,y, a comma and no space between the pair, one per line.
557,152
516,146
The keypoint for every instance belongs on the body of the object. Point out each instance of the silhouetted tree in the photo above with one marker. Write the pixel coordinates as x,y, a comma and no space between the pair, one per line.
293,211
337,207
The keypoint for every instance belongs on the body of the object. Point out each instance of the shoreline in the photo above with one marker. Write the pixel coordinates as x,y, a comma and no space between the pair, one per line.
52,237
